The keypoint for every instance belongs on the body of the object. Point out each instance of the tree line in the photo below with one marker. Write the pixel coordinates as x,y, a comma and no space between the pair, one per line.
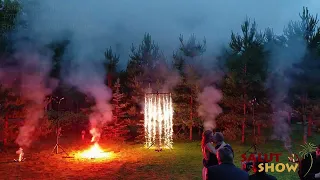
279,71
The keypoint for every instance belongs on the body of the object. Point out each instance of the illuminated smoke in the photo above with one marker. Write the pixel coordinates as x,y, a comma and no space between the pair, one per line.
209,108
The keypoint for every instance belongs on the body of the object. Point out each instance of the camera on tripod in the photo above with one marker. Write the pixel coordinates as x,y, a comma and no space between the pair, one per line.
247,165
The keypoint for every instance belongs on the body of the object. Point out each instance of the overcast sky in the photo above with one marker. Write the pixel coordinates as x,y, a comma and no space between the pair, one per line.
98,24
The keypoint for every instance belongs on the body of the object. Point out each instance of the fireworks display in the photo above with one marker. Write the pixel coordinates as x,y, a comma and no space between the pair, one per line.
158,113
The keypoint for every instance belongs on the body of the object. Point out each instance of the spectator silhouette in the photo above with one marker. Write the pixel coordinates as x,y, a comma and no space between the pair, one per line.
305,164
260,175
226,170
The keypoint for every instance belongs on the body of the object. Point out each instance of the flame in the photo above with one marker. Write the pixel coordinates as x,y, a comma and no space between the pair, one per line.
94,152
20,152
158,113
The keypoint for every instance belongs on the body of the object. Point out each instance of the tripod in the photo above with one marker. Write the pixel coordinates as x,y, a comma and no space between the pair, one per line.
58,131
254,145
57,146
158,145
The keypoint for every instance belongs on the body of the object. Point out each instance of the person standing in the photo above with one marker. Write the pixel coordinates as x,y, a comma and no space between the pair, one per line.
208,152
219,140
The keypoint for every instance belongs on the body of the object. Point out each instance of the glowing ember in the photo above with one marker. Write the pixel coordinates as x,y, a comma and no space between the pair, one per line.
94,152
158,113
20,152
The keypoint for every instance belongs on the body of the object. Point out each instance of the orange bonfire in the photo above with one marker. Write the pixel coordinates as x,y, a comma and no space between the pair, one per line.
94,152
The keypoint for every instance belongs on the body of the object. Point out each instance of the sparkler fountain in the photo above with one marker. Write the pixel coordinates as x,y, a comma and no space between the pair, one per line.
158,114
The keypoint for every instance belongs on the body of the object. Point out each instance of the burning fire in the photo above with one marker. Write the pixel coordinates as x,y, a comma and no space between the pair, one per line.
158,113
21,153
95,152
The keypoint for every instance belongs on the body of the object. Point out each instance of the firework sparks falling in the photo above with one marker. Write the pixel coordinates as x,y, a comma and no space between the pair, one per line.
158,113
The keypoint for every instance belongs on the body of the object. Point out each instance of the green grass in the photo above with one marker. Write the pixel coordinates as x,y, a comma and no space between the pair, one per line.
132,162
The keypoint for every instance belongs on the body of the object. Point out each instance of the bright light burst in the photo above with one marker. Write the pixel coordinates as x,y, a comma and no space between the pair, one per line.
95,152
158,113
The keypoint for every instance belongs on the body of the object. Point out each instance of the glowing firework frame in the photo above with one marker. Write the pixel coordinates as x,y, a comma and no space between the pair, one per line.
158,123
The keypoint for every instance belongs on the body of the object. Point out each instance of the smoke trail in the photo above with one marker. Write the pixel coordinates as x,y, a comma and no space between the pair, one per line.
89,79
209,108
35,73
30,77
83,61
285,51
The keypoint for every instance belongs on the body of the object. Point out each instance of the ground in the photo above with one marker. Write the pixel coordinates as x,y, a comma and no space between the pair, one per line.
130,162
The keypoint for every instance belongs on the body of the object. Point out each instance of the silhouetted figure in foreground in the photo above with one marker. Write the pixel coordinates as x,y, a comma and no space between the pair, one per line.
260,175
306,163
226,170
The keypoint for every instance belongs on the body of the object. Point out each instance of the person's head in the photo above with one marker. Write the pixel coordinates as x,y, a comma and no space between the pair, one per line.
206,137
225,155
218,137
318,151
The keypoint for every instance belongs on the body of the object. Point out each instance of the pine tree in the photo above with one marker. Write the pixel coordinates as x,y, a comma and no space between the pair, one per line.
185,61
11,105
119,129
111,65
140,67
118,102
247,66
140,70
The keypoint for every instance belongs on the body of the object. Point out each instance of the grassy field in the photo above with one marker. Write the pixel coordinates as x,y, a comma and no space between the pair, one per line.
131,162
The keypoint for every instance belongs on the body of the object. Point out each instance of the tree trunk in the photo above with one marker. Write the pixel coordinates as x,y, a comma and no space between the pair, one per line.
243,122
309,126
305,129
190,131
191,119
6,130
259,129
109,79
244,106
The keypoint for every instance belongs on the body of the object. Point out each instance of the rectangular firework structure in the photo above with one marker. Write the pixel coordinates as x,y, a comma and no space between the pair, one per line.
158,114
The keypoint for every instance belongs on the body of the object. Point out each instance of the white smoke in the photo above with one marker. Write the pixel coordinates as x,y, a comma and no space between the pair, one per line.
209,108
30,78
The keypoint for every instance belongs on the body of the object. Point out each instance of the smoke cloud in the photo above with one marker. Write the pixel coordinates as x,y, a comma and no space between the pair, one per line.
89,79
285,51
115,23
95,25
209,108
28,75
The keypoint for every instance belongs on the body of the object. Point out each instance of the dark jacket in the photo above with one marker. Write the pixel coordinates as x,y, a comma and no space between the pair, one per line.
261,176
305,165
226,171
213,158
211,161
